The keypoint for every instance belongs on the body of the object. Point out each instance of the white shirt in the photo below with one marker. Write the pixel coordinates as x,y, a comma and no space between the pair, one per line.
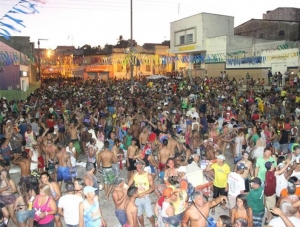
281,183
236,184
70,204
72,158
277,222
34,165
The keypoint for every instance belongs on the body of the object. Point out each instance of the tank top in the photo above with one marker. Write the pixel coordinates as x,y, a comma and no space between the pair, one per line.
141,182
5,152
42,208
29,138
91,214
281,183
89,158
34,165
165,206
284,137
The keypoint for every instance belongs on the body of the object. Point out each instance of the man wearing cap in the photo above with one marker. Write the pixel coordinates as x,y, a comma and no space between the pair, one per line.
260,169
235,184
68,206
89,211
270,186
247,170
119,196
221,170
255,200
144,182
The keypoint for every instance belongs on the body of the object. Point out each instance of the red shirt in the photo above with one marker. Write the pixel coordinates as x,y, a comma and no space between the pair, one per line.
270,183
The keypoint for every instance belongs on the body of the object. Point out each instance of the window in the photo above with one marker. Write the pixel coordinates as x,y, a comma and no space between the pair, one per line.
119,68
181,40
261,35
281,33
189,38
148,68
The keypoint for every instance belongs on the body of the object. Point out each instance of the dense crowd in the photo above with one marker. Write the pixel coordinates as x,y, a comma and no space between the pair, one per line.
173,136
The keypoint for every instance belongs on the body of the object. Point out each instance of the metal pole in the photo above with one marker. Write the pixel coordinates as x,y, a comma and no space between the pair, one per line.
131,48
39,61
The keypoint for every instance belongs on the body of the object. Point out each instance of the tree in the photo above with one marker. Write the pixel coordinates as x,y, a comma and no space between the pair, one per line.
124,43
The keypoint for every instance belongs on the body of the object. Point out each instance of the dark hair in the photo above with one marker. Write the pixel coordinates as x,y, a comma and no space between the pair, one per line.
226,220
165,142
106,144
70,187
280,159
80,182
244,199
293,180
171,159
131,191
48,175
242,221
89,166
23,191
296,147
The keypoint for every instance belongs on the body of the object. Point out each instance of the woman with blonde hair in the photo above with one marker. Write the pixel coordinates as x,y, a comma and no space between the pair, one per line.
45,207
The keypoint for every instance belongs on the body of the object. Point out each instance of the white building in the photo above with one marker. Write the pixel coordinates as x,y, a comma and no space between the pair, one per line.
209,45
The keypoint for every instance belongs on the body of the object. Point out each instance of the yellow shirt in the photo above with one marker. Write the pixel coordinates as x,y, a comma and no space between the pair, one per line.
141,182
179,204
283,93
221,174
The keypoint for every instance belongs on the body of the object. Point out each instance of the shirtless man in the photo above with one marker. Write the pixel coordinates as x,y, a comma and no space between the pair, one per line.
172,145
163,154
143,137
192,216
135,129
64,166
248,171
72,130
119,196
24,162
131,208
51,159
116,150
106,158
133,150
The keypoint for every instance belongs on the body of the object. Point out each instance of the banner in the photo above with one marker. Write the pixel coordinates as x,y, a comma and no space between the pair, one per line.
9,22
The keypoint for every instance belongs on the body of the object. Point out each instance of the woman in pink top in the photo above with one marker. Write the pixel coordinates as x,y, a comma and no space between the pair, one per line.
45,207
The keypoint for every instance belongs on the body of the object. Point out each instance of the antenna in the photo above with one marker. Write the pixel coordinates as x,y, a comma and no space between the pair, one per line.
178,8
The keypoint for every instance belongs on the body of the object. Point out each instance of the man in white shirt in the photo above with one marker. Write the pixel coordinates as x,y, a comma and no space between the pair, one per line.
235,184
68,206
287,210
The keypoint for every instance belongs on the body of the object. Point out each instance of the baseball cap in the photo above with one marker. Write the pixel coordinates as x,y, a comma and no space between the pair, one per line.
256,180
140,162
167,192
268,164
222,157
118,180
88,189
241,166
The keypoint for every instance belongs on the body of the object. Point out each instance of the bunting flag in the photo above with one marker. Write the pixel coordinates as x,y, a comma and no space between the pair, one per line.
9,22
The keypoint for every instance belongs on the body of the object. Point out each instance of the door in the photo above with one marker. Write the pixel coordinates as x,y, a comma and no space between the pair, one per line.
279,67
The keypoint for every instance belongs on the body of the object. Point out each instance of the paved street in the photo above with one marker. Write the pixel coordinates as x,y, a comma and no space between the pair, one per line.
107,207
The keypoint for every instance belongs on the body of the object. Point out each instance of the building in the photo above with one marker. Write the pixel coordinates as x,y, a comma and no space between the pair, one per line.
279,24
206,42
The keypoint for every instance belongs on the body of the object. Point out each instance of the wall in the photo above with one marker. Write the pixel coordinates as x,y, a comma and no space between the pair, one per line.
283,14
10,77
270,30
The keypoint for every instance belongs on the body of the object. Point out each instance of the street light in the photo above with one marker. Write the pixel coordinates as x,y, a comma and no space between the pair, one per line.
39,59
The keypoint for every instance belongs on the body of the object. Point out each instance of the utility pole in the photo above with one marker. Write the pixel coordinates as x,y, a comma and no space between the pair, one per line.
39,59
131,48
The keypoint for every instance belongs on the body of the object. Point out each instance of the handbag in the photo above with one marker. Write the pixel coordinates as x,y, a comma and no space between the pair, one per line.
210,221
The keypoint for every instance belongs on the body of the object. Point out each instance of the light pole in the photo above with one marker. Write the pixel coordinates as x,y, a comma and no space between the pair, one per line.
131,47
39,59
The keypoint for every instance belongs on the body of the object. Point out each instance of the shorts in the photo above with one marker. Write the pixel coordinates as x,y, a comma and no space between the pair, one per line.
247,185
108,175
23,216
161,167
270,201
41,164
218,191
144,206
284,148
73,172
171,220
8,199
7,161
76,145
132,166
64,173
51,167
231,201
116,169
149,169
17,150
121,215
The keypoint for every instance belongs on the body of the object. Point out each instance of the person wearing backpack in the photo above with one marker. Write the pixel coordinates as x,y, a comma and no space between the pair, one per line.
270,187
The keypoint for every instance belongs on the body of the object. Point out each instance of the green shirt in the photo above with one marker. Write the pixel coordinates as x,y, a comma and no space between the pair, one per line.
260,163
255,199
255,137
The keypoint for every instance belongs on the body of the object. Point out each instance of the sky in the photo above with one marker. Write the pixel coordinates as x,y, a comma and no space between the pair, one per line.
100,22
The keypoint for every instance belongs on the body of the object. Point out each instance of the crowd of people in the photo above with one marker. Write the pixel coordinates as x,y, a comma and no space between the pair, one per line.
170,136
